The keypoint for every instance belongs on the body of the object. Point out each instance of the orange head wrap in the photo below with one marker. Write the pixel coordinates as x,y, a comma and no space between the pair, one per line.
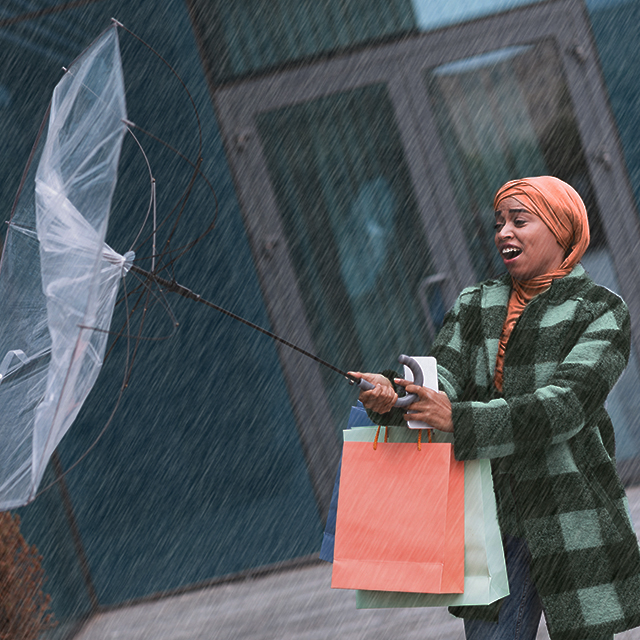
560,207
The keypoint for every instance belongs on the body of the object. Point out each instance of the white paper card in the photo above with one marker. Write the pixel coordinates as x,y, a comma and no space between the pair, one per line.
430,373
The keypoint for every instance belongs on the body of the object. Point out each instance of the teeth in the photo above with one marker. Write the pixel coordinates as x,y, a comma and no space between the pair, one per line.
510,251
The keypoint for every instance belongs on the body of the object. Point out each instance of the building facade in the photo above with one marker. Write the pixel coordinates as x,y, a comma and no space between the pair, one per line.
354,148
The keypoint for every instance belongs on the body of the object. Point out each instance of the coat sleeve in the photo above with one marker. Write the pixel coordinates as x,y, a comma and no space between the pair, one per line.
558,410
453,346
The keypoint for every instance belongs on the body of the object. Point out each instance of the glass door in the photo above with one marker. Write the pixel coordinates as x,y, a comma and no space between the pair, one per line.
352,228
367,180
345,223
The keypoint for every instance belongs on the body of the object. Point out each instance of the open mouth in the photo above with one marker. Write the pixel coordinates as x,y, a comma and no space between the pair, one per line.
509,253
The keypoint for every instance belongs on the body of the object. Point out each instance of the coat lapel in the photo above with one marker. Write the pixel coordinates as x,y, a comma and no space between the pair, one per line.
495,297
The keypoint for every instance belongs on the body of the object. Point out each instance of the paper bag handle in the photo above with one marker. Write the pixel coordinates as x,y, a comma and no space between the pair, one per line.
386,437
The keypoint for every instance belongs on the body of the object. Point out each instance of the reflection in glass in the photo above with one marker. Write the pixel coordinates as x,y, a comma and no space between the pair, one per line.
352,227
503,115
363,255
432,15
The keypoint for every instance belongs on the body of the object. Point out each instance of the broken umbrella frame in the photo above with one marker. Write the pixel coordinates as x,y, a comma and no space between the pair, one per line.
58,278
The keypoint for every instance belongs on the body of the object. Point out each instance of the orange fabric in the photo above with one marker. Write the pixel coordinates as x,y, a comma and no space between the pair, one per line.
560,207
400,520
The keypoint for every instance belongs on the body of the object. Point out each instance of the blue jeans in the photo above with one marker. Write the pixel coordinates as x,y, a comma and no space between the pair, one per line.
521,611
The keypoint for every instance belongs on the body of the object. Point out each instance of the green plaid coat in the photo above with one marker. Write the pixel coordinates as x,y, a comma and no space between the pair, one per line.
550,441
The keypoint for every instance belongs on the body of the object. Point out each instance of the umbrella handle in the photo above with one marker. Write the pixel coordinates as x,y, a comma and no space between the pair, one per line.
418,379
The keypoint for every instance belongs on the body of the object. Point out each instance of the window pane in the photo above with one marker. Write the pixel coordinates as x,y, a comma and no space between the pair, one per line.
504,115
351,221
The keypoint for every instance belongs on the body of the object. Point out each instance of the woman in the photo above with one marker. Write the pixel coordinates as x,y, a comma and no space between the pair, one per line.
525,364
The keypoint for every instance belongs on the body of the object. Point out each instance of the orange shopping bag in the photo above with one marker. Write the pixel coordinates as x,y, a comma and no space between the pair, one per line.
400,520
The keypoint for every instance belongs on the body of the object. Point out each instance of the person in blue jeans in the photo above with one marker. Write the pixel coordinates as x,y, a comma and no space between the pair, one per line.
525,364
520,612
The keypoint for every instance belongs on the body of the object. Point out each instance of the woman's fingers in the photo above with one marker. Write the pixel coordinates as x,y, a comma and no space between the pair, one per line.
432,407
421,392
382,397
374,378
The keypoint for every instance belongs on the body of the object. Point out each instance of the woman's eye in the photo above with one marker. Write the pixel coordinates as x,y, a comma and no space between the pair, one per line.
498,225
519,223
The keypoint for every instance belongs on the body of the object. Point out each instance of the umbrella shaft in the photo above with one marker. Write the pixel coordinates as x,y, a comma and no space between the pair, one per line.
174,287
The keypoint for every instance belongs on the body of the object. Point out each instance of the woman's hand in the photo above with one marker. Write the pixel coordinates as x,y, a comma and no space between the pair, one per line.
432,407
379,399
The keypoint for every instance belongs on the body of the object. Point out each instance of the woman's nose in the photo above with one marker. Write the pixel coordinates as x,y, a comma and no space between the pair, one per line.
505,232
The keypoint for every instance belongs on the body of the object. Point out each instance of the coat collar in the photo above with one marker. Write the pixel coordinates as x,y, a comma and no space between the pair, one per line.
570,285
495,293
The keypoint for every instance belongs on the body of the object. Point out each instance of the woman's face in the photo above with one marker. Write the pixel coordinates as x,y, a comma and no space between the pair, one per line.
526,244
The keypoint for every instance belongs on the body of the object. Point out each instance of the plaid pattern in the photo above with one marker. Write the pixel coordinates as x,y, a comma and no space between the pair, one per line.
550,441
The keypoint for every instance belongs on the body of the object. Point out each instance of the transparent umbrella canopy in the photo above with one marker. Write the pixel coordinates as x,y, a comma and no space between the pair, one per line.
58,278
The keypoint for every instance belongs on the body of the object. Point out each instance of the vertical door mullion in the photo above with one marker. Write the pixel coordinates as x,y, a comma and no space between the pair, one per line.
439,215
604,158
282,297
438,188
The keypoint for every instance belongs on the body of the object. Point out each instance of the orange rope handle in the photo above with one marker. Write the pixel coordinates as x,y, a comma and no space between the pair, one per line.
386,436
420,438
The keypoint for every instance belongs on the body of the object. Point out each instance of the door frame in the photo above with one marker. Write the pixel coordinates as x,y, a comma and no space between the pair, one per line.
399,65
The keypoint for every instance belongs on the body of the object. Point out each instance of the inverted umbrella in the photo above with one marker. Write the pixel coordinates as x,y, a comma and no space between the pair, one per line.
58,278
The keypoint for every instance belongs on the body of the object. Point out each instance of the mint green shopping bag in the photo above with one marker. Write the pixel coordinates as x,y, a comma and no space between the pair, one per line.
485,575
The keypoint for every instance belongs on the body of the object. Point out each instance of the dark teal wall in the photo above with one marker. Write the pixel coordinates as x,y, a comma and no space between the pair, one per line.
243,38
201,473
